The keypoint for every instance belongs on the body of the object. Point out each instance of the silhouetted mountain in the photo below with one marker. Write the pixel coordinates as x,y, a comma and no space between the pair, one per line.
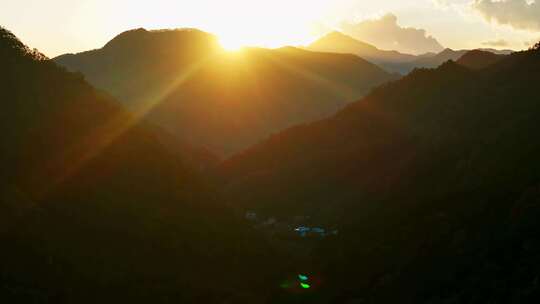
478,59
94,208
498,52
438,59
432,181
433,61
336,42
222,101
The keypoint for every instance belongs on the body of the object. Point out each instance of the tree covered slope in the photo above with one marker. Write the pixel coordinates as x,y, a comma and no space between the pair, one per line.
222,101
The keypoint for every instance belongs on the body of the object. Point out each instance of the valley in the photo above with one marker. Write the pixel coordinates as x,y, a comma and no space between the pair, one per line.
163,167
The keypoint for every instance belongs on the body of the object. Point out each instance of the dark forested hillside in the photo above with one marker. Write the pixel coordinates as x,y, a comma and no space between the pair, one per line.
432,180
425,191
218,100
93,208
478,59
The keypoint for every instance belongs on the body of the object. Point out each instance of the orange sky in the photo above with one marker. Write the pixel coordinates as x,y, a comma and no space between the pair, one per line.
60,26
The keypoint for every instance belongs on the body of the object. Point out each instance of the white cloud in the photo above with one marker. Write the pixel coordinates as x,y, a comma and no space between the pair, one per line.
386,33
519,14
445,3
496,43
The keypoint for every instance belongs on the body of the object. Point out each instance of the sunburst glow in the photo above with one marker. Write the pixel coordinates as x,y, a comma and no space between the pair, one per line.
87,24
231,44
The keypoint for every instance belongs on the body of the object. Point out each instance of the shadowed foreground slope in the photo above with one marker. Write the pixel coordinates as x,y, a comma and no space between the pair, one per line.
432,180
94,209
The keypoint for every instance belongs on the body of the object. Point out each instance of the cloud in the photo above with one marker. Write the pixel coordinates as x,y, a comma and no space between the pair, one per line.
519,14
386,33
446,3
496,43
442,2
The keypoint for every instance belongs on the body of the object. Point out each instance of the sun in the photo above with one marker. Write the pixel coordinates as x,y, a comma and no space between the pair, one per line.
231,44
235,38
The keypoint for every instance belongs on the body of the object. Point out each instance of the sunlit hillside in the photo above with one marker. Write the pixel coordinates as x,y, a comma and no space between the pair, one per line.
183,81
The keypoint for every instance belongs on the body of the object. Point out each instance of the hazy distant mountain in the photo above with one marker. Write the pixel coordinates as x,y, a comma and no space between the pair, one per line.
432,180
433,61
183,81
496,51
336,42
93,206
478,59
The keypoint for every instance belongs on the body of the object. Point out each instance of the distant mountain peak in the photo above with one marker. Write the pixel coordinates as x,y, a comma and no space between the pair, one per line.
447,51
340,35
142,35
337,42
127,35
341,40
255,94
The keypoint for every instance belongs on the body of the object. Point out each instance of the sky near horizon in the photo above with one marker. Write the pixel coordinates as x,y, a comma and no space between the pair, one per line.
67,26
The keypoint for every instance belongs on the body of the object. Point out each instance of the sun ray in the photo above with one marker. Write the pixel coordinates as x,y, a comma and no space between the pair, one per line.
94,143
340,90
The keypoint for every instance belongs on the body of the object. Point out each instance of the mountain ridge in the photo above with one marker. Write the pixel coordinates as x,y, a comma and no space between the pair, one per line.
390,60
94,206
478,59
217,94
423,177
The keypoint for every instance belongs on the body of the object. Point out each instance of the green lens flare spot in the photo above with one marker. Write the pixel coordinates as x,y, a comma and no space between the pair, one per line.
305,286
302,277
